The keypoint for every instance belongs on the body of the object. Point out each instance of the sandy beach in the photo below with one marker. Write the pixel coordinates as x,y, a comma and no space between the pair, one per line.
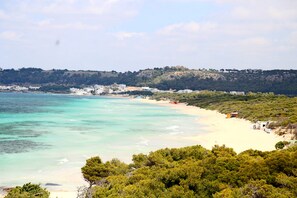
235,133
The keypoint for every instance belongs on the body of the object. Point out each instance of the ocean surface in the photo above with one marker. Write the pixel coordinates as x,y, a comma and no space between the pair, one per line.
46,138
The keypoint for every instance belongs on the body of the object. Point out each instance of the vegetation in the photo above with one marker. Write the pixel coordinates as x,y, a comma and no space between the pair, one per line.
28,191
277,81
197,172
252,106
139,93
55,88
188,172
281,144
95,171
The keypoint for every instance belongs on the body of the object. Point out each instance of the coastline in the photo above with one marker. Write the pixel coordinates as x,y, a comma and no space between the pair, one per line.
234,133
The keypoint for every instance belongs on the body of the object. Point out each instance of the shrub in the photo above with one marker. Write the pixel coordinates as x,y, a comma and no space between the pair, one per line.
280,145
28,191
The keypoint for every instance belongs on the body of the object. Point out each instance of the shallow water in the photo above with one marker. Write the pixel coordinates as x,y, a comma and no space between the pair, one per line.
46,138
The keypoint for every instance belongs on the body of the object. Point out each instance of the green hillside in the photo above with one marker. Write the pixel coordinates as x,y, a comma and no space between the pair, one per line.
277,81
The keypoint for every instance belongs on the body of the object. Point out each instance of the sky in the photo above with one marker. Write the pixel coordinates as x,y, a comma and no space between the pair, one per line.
126,35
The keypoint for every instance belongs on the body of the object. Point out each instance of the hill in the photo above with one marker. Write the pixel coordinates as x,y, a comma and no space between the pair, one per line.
178,77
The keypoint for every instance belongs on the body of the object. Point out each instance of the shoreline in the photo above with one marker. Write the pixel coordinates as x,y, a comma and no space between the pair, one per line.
233,133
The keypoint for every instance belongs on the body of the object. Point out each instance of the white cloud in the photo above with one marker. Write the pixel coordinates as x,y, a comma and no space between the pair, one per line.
10,35
127,35
256,41
227,30
264,10
241,12
3,15
124,8
284,13
73,14
48,24
292,39
186,28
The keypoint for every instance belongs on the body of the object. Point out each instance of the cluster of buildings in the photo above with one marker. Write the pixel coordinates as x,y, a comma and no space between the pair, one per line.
17,88
105,89
237,93
100,90
119,89
155,90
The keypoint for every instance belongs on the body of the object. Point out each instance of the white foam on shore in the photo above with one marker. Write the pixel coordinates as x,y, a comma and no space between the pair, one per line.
176,133
143,142
63,161
174,127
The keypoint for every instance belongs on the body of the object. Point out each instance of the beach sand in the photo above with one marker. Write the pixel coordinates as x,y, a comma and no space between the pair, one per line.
63,195
235,133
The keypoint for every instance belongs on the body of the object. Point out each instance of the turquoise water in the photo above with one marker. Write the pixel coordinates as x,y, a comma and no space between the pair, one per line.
46,138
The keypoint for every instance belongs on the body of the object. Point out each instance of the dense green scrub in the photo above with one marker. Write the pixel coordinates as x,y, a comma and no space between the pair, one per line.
252,106
28,191
197,172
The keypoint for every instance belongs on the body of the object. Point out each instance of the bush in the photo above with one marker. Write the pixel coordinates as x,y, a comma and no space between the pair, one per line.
28,191
197,172
280,145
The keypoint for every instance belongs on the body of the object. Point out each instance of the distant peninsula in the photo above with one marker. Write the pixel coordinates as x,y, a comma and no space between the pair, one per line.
166,78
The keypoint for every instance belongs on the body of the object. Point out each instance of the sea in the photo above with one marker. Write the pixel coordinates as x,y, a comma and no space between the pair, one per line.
46,138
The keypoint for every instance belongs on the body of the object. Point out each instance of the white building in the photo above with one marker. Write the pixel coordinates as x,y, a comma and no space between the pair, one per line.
262,125
33,88
185,91
237,93
79,92
145,88
99,89
19,88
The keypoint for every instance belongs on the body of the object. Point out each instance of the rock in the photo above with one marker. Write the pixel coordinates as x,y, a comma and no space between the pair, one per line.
52,184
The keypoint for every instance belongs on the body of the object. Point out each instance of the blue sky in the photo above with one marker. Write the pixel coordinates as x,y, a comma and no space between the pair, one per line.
135,34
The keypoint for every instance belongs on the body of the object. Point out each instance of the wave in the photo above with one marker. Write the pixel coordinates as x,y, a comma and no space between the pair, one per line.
143,142
176,133
173,127
63,161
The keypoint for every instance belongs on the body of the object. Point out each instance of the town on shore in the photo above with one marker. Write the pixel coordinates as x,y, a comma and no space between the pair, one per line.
104,90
